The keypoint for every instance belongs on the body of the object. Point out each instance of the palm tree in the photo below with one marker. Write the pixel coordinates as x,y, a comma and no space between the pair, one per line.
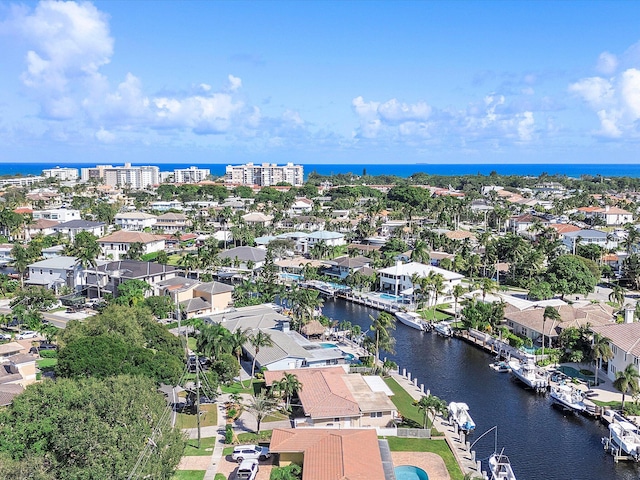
20,260
487,286
617,294
420,252
601,350
236,341
382,325
288,386
260,405
457,292
430,404
86,249
257,341
213,340
627,381
551,314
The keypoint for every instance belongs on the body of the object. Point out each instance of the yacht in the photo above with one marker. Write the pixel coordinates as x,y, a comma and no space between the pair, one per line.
569,398
500,366
459,416
624,437
500,467
529,374
412,319
443,328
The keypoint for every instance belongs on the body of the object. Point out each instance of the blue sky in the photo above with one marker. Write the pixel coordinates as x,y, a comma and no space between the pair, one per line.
320,82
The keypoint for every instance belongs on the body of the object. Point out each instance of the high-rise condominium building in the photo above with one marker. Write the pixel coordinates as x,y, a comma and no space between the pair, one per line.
63,174
127,176
267,174
190,175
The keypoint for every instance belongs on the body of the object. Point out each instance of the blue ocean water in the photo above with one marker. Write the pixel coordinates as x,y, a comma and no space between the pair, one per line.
400,170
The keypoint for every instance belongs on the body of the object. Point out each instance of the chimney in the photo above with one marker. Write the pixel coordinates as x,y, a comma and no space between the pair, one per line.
285,327
629,314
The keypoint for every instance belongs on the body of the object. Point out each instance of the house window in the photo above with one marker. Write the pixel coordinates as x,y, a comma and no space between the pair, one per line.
614,349
376,414
337,420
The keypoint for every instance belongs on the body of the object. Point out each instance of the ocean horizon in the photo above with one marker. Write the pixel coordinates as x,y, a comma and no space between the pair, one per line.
574,170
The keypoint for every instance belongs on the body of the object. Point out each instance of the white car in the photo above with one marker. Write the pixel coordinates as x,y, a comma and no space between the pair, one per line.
247,470
5,336
250,452
26,334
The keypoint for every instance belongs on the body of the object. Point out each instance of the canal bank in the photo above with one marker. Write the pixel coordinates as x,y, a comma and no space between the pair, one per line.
541,441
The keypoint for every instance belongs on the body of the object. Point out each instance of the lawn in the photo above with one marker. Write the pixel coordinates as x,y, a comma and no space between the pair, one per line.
427,314
46,363
206,447
404,402
189,475
191,343
208,417
255,386
439,447
275,417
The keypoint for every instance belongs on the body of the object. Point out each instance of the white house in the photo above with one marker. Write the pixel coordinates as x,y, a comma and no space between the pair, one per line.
301,206
73,227
397,279
332,239
163,206
57,214
625,345
117,244
135,221
172,222
584,237
241,256
56,272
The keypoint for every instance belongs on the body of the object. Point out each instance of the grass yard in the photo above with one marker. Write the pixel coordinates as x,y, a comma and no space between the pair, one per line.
191,343
275,417
189,475
404,402
174,259
255,386
46,363
427,314
208,417
439,447
206,447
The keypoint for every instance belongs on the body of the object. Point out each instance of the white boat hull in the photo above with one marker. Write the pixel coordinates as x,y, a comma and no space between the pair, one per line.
500,468
626,436
568,398
529,374
443,329
459,415
411,319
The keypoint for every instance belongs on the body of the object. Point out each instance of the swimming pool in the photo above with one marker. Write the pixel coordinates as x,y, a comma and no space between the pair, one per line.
328,345
388,296
409,472
291,276
573,373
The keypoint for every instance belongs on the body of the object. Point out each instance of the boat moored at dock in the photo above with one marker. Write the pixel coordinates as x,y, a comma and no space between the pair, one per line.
459,416
500,467
443,329
500,366
412,319
529,374
623,441
568,397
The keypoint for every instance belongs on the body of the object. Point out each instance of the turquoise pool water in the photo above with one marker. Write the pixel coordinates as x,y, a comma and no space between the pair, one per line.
328,345
291,276
573,373
387,296
409,472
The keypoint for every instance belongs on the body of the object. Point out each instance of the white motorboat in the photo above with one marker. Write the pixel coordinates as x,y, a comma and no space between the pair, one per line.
529,374
459,416
624,437
443,328
500,366
412,319
569,398
500,467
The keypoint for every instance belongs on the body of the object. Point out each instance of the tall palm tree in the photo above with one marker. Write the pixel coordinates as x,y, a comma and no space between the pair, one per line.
213,340
550,313
86,249
487,286
420,252
288,386
627,381
382,326
457,292
430,404
237,340
260,405
20,260
617,294
600,350
258,340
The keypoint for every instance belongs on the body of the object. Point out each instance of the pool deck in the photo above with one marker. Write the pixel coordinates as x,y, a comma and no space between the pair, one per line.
429,462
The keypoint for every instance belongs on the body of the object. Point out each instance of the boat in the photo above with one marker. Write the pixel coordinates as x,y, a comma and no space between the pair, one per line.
529,374
443,328
624,437
412,319
500,467
500,366
459,416
569,398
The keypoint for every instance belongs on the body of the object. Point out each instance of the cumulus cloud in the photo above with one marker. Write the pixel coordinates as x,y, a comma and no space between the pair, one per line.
614,99
234,83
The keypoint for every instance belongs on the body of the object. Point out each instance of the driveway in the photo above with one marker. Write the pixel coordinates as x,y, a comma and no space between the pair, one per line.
228,467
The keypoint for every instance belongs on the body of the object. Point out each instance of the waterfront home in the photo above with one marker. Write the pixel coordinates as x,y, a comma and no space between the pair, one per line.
172,223
342,267
531,323
56,272
301,206
299,239
624,343
585,237
112,274
242,257
330,454
73,227
116,245
41,226
331,397
135,221
163,206
397,279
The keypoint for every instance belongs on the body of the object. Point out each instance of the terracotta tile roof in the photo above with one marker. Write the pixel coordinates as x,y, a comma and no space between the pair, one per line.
593,314
589,209
123,236
43,223
625,336
563,228
8,392
460,235
330,454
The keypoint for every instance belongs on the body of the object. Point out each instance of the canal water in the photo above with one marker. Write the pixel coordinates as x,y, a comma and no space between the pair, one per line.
541,441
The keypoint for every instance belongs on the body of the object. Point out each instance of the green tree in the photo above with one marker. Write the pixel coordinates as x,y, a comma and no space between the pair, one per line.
381,326
135,251
132,292
260,405
288,385
86,249
20,260
627,381
237,341
258,340
600,350
567,275
431,406
549,313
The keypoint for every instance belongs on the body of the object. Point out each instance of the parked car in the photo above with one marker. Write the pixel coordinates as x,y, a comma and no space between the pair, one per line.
250,452
247,470
26,334
5,336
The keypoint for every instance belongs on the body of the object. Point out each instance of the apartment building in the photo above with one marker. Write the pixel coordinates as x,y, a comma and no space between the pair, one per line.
127,176
62,174
264,175
190,175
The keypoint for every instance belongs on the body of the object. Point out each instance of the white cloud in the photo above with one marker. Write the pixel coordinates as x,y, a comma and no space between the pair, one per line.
104,136
526,125
234,83
596,91
607,63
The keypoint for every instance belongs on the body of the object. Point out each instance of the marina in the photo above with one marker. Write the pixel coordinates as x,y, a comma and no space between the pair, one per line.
530,430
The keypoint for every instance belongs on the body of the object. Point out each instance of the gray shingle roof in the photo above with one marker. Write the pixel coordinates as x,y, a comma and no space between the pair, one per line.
62,262
245,254
214,288
79,224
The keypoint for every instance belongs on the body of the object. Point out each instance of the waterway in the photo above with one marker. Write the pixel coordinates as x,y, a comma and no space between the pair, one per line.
542,442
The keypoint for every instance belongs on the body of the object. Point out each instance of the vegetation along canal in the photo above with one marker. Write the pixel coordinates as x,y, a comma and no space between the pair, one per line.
541,441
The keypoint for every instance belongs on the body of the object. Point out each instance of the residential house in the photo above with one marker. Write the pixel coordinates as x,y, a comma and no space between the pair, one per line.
172,222
163,206
304,222
610,216
524,224
624,344
57,214
397,279
586,237
178,288
17,371
245,257
342,267
56,272
300,206
5,253
114,273
258,218
135,221
331,239
331,397
218,295
330,454
116,245
388,227
41,226
73,227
